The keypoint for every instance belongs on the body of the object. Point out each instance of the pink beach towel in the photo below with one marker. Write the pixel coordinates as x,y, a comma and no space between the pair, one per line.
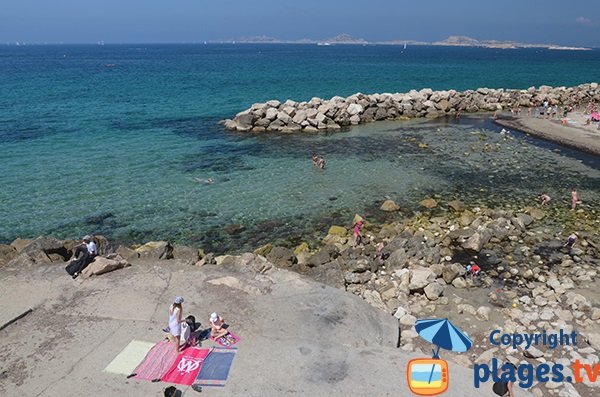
185,369
595,116
228,340
157,362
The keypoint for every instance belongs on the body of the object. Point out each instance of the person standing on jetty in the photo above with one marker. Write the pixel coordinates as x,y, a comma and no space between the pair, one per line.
175,321
88,251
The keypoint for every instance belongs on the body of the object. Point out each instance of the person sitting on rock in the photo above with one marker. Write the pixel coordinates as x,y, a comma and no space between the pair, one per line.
216,326
88,251
571,240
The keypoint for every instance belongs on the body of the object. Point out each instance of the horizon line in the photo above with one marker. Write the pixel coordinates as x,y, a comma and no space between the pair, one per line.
413,43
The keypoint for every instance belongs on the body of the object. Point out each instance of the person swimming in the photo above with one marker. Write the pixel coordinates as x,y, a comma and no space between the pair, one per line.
321,163
208,181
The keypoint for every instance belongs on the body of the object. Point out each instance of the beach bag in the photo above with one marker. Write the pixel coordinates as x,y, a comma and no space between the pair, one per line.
170,391
72,267
500,388
191,322
185,334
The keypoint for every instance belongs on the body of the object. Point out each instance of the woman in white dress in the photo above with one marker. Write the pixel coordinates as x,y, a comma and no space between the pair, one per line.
175,321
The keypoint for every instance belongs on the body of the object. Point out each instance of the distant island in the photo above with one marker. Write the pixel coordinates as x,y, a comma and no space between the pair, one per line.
452,41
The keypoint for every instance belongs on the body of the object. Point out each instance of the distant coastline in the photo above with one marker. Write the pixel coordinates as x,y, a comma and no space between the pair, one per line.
345,39
451,41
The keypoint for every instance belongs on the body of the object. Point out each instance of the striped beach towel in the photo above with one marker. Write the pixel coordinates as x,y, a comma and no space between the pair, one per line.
157,362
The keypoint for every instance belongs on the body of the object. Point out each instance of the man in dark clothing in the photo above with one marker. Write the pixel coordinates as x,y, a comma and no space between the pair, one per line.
84,255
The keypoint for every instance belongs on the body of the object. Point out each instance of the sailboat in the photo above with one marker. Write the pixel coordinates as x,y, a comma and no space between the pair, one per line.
405,45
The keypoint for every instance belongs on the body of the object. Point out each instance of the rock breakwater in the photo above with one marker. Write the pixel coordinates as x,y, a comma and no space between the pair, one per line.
338,112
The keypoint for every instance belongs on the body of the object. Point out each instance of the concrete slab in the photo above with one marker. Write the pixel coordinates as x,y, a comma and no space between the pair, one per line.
298,337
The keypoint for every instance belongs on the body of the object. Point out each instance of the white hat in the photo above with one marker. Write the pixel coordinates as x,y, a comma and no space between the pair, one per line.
214,317
178,300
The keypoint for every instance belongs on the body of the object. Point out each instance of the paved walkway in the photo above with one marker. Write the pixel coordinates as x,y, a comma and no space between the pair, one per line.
575,134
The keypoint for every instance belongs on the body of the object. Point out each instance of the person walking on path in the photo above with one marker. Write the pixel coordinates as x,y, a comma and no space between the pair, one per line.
175,321
357,233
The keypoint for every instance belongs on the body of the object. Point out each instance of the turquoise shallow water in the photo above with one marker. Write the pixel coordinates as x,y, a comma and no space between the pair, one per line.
110,139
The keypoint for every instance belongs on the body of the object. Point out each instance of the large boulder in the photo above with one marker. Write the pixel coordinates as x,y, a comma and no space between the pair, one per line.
398,259
7,253
102,265
324,255
428,203
330,274
282,257
20,243
389,206
354,109
338,231
187,254
477,240
49,247
127,253
433,291
264,250
420,278
155,250
457,205
522,220
452,271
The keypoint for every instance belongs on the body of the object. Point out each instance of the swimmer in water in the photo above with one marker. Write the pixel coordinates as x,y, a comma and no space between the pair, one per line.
208,181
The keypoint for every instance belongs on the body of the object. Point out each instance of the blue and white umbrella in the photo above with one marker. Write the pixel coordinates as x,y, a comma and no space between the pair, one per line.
442,333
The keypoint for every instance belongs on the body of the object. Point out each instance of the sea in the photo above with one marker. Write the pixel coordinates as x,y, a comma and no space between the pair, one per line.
118,140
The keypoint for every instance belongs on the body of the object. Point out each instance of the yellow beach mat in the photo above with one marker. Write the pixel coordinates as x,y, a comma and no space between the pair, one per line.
129,358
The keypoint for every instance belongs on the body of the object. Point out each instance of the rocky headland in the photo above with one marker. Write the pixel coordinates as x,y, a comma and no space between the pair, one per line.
530,280
339,112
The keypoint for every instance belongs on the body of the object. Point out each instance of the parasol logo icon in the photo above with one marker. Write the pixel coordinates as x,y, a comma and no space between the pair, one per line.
431,376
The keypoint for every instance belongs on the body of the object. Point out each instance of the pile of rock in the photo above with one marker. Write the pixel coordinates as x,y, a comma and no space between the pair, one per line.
333,114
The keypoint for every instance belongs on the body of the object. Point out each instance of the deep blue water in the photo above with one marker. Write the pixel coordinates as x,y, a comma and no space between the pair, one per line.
109,139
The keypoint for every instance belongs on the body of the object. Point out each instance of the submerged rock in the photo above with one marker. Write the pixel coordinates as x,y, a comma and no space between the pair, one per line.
390,206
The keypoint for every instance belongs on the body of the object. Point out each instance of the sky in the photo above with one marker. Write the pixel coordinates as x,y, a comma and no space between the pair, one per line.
572,22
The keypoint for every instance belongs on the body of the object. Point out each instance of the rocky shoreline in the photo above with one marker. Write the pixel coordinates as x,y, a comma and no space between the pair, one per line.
338,112
530,280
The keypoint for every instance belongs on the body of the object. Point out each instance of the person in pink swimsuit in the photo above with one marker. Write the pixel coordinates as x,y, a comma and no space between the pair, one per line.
357,236
574,199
